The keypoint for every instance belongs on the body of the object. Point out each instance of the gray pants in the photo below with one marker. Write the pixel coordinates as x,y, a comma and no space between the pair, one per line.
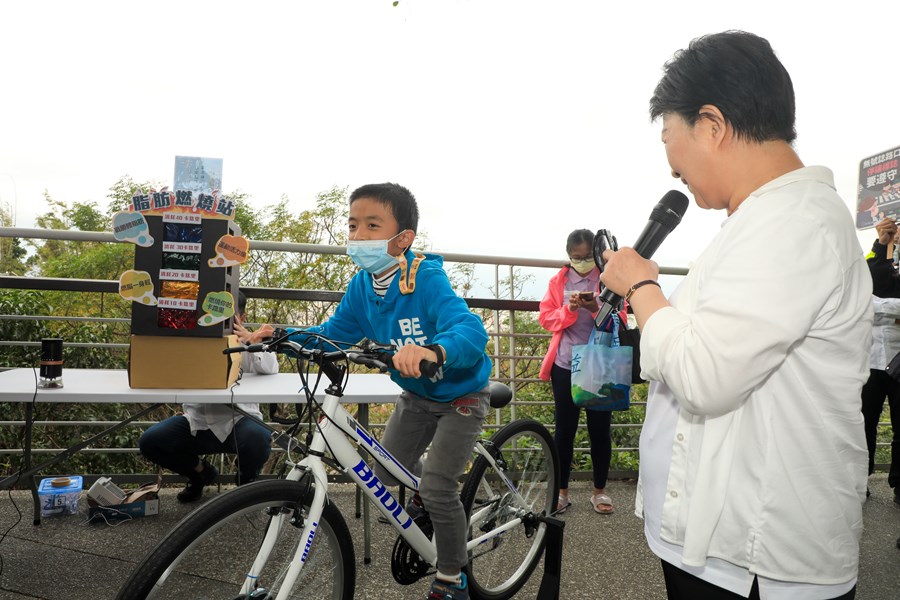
452,428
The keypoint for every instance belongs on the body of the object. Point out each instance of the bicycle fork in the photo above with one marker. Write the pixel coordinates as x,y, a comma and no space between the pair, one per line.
310,526
334,438
490,509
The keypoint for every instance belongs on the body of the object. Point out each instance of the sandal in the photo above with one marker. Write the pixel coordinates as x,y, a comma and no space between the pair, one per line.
562,504
602,504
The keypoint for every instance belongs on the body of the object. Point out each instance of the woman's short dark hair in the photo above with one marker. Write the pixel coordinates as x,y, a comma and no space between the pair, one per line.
397,198
577,237
738,73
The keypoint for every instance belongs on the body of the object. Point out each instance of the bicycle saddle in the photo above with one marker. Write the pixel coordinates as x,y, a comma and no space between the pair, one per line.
500,394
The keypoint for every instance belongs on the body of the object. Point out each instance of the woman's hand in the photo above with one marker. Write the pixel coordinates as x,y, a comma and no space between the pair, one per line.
625,268
586,300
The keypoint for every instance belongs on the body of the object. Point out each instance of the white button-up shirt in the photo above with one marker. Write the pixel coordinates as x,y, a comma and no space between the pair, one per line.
753,456
219,418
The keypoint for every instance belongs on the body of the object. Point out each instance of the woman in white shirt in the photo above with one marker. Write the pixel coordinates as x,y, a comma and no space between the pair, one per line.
753,456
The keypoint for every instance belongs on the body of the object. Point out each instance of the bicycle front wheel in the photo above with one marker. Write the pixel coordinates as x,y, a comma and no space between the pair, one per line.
526,458
208,555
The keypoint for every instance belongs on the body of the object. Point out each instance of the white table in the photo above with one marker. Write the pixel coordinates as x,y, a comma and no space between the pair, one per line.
111,386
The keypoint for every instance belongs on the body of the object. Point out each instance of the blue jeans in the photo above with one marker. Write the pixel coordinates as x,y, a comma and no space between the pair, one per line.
170,445
566,416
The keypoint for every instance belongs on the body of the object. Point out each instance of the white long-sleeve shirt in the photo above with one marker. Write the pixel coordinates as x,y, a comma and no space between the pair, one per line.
753,456
219,418
886,332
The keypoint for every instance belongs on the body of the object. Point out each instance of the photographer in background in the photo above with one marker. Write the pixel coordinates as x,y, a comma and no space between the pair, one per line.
885,346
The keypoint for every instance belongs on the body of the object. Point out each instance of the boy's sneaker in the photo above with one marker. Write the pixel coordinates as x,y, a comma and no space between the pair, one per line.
444,590
196,481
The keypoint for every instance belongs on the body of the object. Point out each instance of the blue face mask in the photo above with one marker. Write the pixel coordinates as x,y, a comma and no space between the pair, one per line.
371,255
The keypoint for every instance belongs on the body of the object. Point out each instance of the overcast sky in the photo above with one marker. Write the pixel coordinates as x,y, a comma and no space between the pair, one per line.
513,122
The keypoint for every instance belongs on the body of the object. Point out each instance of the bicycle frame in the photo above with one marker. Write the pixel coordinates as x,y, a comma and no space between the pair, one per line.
335,430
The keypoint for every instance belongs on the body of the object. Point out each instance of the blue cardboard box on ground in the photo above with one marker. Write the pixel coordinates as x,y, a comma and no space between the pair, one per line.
142,502
59,495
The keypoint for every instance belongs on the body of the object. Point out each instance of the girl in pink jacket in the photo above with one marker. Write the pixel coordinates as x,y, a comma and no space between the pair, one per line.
567,311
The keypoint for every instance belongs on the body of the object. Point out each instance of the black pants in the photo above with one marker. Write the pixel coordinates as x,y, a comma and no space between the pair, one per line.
879,386
681,585
566,416
170,444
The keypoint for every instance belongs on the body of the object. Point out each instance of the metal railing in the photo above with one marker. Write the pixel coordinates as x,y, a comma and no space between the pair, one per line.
503,317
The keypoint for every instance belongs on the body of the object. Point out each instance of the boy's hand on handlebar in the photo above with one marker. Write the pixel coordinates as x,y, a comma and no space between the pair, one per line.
408,358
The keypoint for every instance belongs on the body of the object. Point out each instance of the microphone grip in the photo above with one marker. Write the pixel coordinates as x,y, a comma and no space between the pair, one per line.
664,217
648,242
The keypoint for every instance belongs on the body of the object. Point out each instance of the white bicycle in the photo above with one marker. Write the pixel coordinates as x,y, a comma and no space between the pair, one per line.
295,544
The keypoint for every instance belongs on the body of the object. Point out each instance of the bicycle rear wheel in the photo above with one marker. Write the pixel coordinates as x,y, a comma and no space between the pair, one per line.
500,566
208,554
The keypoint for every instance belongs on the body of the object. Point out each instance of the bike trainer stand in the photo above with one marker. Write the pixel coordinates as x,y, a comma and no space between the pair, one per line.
551,580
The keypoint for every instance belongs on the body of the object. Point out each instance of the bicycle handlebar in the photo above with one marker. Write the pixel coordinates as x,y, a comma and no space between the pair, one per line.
377,358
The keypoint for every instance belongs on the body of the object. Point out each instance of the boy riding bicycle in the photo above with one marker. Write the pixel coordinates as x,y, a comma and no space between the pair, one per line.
405,298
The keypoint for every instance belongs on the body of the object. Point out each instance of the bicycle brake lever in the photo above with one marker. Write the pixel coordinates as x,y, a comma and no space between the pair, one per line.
368,345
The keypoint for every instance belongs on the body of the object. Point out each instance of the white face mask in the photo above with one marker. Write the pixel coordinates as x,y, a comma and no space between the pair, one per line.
583,266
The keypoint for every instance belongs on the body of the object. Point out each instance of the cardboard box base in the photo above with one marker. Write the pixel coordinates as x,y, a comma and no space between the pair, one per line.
156,362
142,502
131,510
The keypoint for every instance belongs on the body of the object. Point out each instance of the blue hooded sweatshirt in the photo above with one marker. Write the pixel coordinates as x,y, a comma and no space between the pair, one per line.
431,314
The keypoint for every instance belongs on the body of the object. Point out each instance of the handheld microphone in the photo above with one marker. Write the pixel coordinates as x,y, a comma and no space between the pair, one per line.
664,217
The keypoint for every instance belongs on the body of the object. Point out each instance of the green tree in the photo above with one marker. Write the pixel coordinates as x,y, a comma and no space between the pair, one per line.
324,224
25,303
84,260
12,252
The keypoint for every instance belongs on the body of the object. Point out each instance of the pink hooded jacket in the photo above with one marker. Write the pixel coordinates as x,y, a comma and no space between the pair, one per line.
555,317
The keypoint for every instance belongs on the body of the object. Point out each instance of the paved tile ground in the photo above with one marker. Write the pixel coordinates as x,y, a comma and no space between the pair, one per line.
603,556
